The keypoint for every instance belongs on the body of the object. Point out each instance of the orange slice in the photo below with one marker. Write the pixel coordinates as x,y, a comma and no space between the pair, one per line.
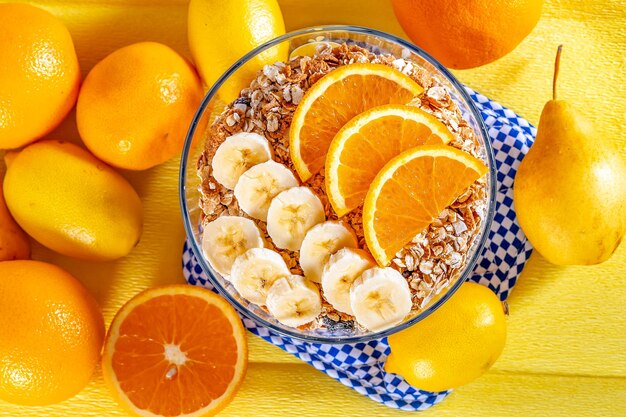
410,192
367,142
335,99
175,351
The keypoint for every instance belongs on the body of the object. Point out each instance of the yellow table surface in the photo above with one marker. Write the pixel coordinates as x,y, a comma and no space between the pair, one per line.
566,348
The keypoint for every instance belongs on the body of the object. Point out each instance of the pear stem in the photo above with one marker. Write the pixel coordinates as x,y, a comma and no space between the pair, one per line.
557,63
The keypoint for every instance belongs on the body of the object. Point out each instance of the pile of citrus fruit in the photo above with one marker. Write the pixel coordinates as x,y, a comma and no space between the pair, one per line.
133,110
64,196
180,350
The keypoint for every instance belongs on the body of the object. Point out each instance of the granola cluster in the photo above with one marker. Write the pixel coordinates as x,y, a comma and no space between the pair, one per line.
435,257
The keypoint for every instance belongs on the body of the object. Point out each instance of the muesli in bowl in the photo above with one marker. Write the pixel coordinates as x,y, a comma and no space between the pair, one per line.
344,193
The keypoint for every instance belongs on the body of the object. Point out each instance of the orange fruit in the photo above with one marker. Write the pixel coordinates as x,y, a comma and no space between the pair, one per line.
410,191
335,99
51,333
367,142
14,243
454,345
39,71
175,351
136,105
467,33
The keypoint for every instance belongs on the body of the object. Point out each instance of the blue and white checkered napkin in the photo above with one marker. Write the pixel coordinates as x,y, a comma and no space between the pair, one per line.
360,365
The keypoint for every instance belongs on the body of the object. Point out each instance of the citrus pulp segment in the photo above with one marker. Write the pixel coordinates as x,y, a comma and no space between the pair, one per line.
410,192
175,351
367,142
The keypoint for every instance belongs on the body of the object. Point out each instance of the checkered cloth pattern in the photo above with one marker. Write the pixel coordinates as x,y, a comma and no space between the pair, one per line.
360,365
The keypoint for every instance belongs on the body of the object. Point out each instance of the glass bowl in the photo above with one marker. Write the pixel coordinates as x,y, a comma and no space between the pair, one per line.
378,42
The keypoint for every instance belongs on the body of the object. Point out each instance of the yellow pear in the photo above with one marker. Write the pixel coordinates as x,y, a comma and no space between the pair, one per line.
570,189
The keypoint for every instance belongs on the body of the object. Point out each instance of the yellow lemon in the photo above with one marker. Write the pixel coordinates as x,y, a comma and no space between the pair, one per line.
71,202
221,32
453,346
14,243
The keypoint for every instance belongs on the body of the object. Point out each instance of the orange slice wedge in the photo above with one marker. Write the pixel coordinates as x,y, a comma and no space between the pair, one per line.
335,99
367,142
175,351
410,192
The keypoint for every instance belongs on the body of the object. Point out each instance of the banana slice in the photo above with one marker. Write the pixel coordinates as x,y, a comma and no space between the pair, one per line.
227,237
291,214
321,241
256,187
294,300
236,155
341,270
254,272
380,298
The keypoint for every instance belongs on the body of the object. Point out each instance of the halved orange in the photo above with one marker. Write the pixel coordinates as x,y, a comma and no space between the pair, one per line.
410,192
335,99
367,142
175,351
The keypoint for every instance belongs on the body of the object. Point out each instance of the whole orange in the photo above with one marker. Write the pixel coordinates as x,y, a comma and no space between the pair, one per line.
136,105
467,33
51,333
39,74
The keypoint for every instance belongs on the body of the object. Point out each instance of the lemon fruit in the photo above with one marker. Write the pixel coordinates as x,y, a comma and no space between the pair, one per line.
71,202
51,333
136,105
39,74
221,32
454,345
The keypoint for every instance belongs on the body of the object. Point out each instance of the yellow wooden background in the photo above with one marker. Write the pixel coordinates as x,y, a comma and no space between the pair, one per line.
566,350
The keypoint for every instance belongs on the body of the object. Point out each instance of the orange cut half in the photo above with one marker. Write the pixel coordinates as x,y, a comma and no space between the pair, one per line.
410,192
367,142
175,351
335,99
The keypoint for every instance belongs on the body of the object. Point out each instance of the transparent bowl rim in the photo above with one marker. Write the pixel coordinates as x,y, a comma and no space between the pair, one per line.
479,246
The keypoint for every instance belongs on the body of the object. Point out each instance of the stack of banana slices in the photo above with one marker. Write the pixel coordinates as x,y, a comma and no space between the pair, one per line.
328,251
